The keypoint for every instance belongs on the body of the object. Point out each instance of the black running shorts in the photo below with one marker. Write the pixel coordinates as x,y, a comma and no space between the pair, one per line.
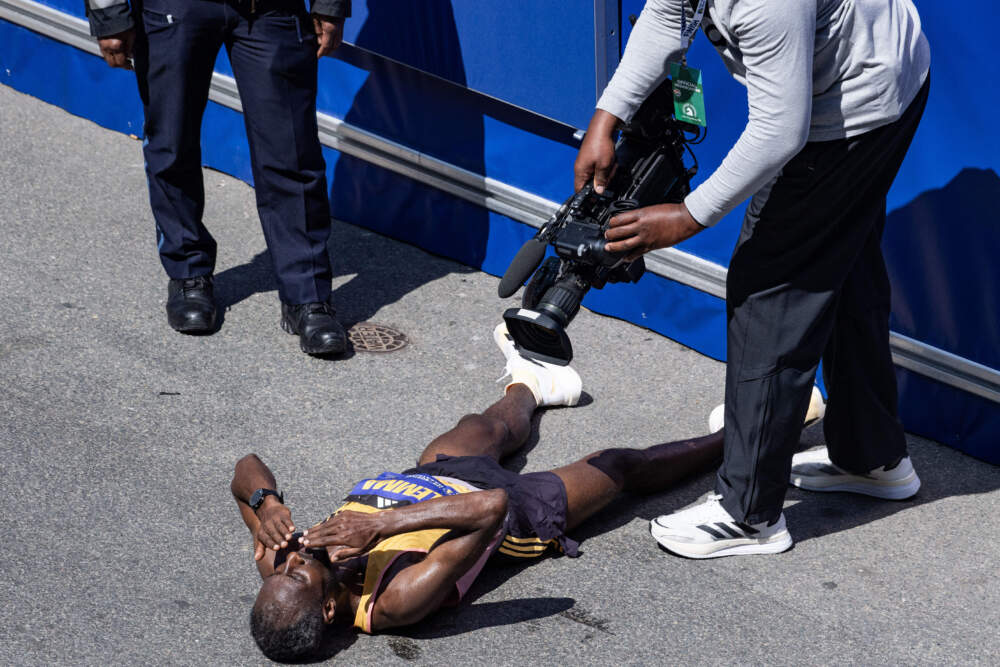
536,503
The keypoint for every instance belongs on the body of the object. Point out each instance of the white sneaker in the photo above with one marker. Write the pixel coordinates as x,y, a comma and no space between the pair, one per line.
706,530
551,384
817,408
813,471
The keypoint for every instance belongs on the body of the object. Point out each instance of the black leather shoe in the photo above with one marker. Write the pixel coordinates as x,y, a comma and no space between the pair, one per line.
318,330
191,305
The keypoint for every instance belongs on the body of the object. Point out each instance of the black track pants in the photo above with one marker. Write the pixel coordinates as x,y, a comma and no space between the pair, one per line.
807,281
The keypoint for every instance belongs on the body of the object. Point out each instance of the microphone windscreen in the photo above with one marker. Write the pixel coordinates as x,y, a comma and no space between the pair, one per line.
522,266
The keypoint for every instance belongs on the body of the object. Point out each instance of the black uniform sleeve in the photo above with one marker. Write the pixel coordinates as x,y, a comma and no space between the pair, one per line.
109,20
336,8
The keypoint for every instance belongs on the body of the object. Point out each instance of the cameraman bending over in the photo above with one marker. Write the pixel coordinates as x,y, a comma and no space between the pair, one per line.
835,89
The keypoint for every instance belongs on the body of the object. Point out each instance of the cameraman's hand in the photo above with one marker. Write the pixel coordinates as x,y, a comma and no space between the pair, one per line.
596,159
644,229
117,49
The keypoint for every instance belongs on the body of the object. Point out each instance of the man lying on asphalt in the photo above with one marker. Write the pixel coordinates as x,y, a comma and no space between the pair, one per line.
403,545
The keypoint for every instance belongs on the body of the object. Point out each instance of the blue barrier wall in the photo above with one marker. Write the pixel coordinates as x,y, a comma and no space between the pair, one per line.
499,93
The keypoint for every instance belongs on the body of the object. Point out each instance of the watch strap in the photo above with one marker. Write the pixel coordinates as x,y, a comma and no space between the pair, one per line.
257,499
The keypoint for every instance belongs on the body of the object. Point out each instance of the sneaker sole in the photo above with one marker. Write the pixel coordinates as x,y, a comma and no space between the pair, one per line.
775,544
887,490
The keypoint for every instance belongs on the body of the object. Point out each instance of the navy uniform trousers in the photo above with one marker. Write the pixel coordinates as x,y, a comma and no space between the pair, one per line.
272,49
807,281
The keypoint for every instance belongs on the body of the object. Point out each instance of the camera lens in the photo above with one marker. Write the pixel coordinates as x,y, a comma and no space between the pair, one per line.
536,337
539,336
561,302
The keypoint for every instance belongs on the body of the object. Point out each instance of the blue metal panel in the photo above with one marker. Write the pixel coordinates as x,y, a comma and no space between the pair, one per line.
968,423
446,121
71,7
78,82
941,245
538,55
607,42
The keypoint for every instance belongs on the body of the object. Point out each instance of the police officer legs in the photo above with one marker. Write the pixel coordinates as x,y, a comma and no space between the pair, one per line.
273,47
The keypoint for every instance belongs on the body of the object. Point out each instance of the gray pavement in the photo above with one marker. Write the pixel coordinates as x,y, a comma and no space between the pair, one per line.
122,544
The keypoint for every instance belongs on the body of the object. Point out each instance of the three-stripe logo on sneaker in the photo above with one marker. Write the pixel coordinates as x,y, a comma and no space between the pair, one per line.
723,531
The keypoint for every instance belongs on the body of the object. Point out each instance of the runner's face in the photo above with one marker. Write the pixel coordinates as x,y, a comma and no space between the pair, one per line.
298,581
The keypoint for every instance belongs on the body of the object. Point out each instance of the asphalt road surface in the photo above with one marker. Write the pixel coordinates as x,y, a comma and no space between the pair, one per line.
121,544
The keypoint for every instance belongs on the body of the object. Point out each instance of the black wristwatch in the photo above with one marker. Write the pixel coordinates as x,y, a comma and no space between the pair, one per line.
257,499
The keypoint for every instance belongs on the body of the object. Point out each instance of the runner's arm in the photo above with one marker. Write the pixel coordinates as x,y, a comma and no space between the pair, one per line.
271,525
421,588
417,590
348,534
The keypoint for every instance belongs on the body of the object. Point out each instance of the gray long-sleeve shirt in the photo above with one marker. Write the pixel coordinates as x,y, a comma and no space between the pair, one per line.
815,70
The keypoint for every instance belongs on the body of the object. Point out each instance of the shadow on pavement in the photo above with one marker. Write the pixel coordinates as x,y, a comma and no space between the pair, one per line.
382,272
943,473
468,617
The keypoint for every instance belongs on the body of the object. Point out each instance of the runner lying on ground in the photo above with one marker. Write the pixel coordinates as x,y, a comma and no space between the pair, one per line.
405,544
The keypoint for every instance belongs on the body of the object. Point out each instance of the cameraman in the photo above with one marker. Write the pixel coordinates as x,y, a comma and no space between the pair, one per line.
835,91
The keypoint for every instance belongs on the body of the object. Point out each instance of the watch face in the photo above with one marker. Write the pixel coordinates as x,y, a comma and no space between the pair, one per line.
257,499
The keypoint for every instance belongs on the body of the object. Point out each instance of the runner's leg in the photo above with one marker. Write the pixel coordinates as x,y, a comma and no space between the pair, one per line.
595,480
499,431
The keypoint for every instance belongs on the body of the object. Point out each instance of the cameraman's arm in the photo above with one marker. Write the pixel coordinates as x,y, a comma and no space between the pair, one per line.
777,42
654,42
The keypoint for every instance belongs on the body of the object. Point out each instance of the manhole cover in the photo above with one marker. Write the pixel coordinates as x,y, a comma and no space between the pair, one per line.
371,337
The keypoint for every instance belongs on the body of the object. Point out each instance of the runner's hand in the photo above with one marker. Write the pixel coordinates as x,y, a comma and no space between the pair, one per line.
275,527
117,49
638,231
329,33
345,535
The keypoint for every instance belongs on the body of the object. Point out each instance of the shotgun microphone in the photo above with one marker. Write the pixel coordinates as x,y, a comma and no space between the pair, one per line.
527,259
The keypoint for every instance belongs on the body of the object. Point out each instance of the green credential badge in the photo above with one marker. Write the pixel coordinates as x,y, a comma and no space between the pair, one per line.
689,98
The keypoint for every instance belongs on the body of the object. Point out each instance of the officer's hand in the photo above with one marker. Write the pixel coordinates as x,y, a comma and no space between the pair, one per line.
329,33
644,229
275,527
117,49
596,159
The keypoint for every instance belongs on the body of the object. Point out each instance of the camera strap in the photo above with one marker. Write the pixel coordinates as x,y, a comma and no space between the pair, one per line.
688,30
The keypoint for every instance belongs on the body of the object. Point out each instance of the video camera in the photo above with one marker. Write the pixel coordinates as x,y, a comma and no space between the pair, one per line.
650,170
